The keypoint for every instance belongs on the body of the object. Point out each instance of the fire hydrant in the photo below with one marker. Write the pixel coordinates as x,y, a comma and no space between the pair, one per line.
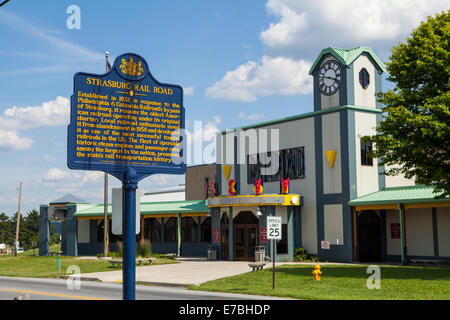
316,272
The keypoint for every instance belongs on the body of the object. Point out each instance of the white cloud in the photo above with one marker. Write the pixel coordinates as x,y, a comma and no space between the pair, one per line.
16,119
72,179
286,29
55,174
303,27
189,91
9,139
270,76
51,113
301,22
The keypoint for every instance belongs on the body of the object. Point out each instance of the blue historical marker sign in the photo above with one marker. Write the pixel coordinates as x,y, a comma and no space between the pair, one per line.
126,119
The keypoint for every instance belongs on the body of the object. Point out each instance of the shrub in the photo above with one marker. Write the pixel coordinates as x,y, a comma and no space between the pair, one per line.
145,249
114,254
301,254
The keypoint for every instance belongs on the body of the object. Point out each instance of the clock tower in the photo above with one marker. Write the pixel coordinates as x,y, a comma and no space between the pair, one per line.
346,109
346,77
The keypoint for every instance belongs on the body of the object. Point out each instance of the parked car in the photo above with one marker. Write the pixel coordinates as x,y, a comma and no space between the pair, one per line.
19,250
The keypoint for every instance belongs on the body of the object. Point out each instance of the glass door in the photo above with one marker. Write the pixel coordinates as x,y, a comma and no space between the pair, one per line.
240,243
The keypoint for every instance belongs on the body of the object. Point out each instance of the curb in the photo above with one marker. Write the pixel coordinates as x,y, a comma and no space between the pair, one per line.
163,284
81,278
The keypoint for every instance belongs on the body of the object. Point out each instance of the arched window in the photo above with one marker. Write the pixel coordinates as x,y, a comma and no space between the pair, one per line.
364,78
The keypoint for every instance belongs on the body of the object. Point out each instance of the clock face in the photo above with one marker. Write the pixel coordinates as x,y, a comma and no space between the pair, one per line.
330,77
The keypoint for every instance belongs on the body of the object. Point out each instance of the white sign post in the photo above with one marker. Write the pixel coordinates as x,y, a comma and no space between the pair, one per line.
117,211
273,233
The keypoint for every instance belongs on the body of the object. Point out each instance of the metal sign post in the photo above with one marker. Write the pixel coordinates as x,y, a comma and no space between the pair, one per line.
273,233
127,124
129,235
273,265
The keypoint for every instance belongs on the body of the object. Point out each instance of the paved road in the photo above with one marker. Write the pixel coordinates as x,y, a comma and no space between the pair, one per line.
56,289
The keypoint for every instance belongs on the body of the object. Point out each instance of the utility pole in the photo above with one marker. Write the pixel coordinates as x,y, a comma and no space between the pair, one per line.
18,221
105,201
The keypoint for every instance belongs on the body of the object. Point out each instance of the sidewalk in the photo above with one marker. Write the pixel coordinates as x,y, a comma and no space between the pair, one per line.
188,271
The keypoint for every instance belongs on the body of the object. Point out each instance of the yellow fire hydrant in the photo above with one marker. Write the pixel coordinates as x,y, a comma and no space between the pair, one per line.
316,272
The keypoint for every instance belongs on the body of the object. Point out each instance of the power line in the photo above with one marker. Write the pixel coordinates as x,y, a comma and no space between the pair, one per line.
4,2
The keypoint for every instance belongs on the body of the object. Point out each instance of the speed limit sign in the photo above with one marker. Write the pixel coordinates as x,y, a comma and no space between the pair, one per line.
274,228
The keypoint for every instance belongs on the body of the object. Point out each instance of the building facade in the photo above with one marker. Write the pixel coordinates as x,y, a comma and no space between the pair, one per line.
327,164
312,170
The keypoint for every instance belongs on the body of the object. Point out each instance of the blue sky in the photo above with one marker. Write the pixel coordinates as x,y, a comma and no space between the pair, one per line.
240,62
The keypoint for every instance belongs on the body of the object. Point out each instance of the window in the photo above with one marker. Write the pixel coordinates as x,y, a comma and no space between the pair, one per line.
282,247
170,230
364,79
365,149
100,230
188,229
206,230
152,229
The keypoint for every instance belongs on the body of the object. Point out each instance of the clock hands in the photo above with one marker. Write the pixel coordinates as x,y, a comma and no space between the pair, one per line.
329,78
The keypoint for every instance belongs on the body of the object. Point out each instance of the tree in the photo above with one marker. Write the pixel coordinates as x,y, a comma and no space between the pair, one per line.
31,229
5,229
414,133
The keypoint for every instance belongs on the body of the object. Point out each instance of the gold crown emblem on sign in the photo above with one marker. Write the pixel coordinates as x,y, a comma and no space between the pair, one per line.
131,68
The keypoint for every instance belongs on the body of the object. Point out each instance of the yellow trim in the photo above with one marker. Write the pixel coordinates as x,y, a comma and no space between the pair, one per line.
168,215
426,205
194,214
377,207
287,200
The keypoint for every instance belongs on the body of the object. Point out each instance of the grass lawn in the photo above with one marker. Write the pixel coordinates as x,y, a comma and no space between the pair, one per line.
28,265
339,282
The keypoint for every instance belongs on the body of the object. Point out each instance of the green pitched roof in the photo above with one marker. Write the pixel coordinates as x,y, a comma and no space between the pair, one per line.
190,206
346,57
166,207
394,195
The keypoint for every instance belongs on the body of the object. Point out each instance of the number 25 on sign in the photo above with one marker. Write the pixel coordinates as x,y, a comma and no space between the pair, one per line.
274,228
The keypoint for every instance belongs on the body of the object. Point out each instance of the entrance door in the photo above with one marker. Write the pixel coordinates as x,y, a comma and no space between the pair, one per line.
245,236
369,237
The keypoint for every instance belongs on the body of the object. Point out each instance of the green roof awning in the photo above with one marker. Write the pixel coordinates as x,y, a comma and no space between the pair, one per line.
346,57
149,208
418,194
